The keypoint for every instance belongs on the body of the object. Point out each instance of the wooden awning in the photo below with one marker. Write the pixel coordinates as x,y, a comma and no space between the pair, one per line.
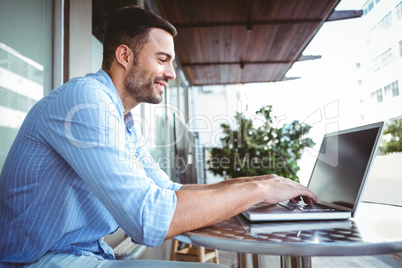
242,41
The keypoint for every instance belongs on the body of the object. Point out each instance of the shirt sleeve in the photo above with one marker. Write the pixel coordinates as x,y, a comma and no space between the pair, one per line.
89,133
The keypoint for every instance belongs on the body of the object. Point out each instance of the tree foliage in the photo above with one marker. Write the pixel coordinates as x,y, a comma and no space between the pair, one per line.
394,131
256,147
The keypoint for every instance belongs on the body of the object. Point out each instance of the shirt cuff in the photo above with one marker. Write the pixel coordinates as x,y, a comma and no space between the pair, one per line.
175,186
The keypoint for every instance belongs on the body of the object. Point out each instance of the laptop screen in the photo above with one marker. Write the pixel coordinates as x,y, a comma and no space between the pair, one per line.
342,165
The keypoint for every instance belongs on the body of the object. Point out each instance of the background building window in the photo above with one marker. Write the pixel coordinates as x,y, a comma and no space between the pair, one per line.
386,22
386,58
382,61
398,11
392,90
377,95
400,48
395,89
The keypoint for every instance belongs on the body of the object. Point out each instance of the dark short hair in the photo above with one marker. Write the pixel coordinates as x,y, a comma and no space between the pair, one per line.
130,25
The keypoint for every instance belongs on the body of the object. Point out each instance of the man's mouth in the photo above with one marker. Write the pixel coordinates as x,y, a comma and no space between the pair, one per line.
161,85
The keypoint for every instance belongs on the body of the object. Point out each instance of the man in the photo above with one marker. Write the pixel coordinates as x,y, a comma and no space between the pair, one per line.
78,169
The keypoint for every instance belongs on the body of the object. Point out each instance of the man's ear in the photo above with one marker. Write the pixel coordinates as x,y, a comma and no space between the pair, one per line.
124,55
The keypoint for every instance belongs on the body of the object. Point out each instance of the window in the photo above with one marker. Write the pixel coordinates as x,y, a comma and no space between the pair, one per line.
400,48
25,63
391,90
368,6
386,58
375,65
382,61
387,91
377,95
395,89
386,22
358,66
398,11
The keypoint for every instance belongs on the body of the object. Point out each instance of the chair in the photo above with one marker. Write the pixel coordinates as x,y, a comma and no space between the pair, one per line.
190,253
123,247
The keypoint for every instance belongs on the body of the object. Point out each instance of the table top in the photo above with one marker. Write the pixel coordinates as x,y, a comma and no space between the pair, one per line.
376,229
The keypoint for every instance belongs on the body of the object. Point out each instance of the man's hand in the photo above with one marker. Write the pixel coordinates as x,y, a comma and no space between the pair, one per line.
279,189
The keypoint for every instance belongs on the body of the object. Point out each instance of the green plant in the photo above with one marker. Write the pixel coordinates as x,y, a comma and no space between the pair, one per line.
252,149
394,132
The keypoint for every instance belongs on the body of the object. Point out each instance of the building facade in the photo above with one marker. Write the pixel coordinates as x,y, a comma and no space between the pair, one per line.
381,60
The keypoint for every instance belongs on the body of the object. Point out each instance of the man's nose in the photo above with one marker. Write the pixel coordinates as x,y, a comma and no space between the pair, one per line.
170,72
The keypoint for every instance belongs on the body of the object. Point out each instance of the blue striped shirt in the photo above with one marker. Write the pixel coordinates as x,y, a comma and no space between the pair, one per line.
78,170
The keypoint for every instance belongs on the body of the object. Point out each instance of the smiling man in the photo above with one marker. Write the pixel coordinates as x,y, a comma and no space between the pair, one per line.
69,178
146,72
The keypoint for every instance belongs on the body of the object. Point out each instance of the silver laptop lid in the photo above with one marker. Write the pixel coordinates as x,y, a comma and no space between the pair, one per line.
343,164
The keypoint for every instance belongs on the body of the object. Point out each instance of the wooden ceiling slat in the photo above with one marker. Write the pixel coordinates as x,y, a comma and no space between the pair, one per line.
215,36
264,41
286,12
265,9
303,9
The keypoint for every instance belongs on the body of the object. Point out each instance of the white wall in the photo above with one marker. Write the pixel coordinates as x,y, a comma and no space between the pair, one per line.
80,38
385,180
97,54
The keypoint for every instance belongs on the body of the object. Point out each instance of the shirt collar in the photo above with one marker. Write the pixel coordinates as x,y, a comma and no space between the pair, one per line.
129,120
107,81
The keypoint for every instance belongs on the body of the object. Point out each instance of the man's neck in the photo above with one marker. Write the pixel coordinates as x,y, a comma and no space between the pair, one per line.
127,99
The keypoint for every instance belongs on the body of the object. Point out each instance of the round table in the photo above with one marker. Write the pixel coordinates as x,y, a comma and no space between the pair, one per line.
376,229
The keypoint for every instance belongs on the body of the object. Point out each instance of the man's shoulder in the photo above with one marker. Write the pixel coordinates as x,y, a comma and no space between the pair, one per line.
91,87
91,81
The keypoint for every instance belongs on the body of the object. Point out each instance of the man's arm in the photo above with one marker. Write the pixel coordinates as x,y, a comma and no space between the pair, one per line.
226,183
199,208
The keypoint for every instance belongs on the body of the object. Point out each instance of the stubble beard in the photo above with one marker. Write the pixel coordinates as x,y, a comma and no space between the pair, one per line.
141,87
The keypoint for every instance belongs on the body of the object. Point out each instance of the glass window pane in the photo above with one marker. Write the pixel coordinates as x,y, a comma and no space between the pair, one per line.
25,63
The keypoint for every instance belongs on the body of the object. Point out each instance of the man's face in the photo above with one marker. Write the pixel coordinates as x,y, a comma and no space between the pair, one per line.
147,80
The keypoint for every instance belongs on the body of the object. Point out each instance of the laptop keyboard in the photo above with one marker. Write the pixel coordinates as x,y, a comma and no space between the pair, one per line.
302,206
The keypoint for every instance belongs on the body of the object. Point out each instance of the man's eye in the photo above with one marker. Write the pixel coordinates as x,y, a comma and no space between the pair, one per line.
163,60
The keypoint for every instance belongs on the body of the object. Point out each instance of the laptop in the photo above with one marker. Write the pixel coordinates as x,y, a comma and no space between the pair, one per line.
337,179
268,227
